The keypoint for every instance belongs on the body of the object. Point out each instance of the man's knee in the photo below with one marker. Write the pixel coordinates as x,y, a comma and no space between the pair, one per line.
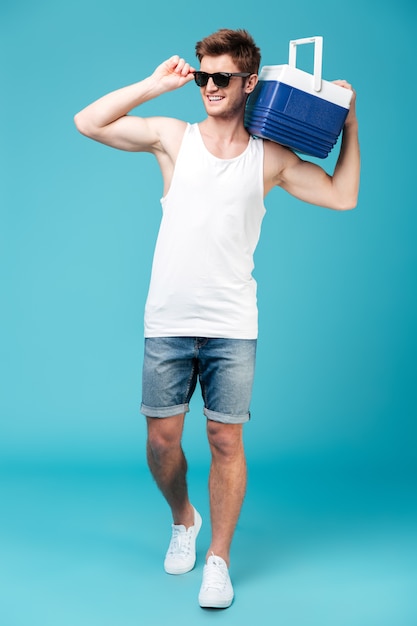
164,434
225,439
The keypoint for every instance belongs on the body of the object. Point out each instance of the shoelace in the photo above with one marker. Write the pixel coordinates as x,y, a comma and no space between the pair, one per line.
180,545
215,575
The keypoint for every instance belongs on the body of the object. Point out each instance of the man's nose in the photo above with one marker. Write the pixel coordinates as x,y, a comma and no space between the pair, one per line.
211,84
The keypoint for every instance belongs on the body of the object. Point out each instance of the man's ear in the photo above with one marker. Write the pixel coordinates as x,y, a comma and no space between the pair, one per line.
251,83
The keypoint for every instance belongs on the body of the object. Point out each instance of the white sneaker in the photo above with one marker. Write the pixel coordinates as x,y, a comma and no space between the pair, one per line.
216,589
180,557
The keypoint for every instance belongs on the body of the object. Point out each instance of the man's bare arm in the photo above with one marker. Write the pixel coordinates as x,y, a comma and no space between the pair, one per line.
311,183
107,120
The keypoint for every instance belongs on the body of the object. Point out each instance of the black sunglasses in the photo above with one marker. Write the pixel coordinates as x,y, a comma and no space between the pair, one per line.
221,79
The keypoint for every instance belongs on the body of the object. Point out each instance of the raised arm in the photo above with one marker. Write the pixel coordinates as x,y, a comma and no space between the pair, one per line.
309,182
107,120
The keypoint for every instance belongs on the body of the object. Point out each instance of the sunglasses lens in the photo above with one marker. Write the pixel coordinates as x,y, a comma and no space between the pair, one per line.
219,79
201,78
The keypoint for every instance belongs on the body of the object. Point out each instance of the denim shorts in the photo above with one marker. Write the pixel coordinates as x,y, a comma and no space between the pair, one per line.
224,367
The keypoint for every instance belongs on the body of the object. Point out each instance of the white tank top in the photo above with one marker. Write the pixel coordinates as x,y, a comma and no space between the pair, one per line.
201,283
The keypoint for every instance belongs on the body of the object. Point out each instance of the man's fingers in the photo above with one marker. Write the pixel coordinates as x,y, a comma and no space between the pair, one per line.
343,83
179,65
182,67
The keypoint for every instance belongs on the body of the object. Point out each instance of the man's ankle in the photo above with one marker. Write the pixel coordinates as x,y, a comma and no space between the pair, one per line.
222,553
184,517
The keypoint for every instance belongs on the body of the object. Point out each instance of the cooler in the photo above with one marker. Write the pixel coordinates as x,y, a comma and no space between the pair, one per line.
298,109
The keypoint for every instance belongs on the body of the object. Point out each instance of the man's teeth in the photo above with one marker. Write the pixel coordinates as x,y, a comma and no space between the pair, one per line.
211,98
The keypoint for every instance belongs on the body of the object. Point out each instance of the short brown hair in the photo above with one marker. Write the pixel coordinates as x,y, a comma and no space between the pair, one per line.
239,44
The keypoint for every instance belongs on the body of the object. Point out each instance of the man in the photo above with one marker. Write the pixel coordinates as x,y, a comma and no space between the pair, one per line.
201,315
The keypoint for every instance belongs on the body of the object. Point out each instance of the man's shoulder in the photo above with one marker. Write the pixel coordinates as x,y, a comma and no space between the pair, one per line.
275,149
276,153
277,158
170,132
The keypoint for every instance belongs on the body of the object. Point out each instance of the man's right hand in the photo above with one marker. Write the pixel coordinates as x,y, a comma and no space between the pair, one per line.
173,74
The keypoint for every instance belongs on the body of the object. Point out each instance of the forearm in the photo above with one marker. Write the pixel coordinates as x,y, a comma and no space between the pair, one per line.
347,171
115,105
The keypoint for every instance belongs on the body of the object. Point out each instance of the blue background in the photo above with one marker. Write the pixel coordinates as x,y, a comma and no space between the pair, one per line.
328,530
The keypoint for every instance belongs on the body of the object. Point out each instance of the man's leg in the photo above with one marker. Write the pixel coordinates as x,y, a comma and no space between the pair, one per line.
169,468
226,376
168,465
169,379
227,484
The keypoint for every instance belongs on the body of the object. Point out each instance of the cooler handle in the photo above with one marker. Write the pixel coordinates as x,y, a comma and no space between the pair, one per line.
318,55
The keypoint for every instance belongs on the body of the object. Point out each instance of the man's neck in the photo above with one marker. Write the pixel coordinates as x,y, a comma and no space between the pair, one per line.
225,138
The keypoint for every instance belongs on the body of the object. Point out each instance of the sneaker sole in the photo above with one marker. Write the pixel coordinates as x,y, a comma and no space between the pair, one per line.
212,604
